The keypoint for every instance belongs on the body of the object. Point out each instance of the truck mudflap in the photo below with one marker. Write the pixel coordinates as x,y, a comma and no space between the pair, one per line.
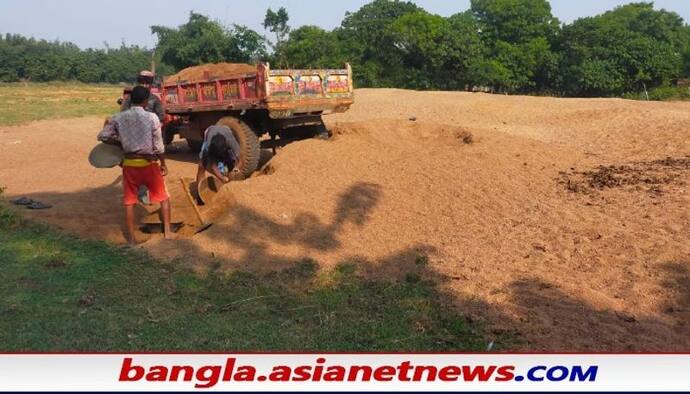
291,93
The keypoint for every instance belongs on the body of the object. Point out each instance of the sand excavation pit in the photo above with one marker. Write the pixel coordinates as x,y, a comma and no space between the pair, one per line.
537,266
187,221
651,175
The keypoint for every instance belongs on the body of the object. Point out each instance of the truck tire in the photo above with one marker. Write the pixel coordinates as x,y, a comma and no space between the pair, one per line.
249,144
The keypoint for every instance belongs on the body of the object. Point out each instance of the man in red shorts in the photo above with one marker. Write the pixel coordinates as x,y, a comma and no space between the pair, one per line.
139,133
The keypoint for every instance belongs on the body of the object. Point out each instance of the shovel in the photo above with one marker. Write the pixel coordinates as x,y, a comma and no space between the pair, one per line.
203,226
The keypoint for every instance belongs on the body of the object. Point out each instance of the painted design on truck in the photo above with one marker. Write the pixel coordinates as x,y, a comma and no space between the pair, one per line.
338,84
171,95
250,90
230,90
281,85
190,94
309,84
208,92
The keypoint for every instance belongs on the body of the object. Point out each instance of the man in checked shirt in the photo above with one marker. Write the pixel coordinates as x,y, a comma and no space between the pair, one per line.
139,133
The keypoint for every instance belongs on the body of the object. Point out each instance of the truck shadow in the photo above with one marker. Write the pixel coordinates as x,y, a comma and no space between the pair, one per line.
179,151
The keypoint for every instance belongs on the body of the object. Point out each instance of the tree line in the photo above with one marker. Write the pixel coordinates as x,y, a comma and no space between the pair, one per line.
28,59
514,46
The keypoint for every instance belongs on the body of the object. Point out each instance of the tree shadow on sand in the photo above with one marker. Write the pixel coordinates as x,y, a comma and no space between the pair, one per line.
253,233
535,316
546,318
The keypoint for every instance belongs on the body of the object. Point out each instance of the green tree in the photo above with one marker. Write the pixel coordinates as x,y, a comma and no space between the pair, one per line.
277,23
684,44
627,49
508,45
519,35
246,45
202,40
39,60
444,51
314,47
370,42
515,21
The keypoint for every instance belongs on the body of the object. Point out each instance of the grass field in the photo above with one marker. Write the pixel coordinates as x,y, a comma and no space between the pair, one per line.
25,102
60,293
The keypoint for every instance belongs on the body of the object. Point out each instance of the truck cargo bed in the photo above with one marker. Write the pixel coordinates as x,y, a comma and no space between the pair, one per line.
283,93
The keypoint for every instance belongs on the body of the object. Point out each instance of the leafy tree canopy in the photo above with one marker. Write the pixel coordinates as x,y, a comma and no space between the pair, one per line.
202,40
515,46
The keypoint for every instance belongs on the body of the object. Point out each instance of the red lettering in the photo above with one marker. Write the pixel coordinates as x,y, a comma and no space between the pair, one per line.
449,374
506,373
245,373
316,377
404,368
127,368
229,368
479,373
175,371
355,369
303,373
334,374
280,373
208,376
157,373
384,374
430,373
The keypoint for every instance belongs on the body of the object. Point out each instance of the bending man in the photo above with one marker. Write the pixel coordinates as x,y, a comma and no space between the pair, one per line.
220,155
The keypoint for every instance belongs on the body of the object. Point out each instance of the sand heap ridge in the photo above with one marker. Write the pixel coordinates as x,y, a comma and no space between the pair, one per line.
214,70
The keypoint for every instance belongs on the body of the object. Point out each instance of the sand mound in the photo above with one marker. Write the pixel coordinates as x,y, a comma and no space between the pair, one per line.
491,218
213,70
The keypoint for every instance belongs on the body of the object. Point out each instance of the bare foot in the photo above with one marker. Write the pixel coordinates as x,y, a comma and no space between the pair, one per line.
169,235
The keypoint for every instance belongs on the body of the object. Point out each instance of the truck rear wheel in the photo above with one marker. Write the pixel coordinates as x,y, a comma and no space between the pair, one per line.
249,144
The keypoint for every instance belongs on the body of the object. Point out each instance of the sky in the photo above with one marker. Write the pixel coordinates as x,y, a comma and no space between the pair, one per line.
92,23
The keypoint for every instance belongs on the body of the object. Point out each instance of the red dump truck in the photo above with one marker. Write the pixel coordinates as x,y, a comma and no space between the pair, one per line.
267,101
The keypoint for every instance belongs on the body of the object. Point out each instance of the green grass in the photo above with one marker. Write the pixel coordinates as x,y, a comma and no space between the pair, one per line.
60,293
25,102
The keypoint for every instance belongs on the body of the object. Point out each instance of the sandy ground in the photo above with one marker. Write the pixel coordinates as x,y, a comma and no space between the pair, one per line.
525,233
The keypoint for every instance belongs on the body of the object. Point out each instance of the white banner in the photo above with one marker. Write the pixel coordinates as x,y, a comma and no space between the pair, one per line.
343,372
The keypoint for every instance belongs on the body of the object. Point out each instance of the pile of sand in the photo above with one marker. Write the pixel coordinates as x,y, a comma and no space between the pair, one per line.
214,70
488,219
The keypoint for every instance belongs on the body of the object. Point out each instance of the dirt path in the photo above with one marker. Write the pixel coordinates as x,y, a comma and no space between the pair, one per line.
520,229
